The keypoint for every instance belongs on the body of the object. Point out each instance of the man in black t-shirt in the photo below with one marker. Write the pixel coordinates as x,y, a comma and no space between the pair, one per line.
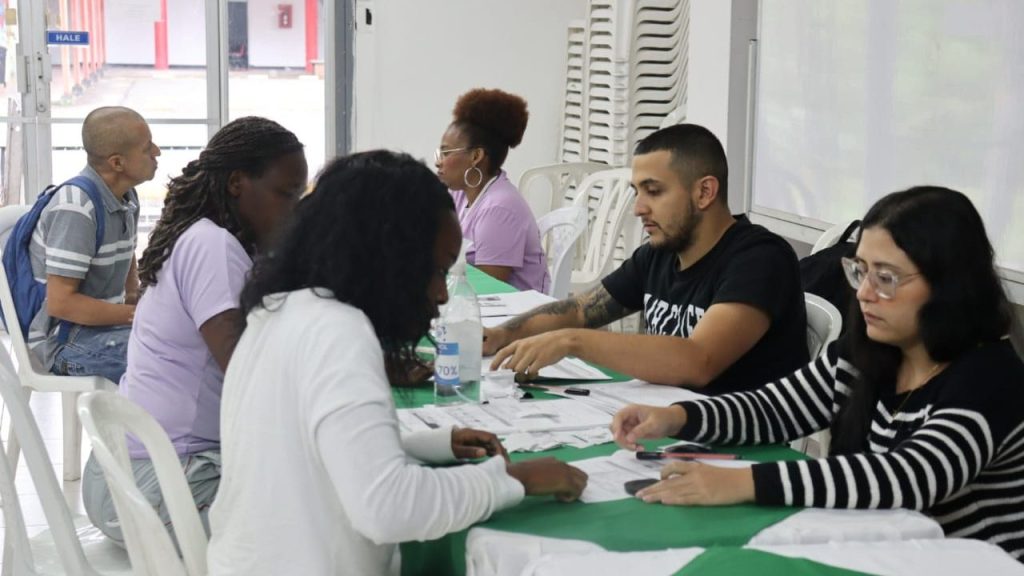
721,297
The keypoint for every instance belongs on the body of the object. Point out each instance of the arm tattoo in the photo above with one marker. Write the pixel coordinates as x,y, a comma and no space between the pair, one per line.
599,308
566,306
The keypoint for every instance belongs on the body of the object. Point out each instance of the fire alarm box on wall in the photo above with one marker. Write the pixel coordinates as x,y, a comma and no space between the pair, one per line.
284,15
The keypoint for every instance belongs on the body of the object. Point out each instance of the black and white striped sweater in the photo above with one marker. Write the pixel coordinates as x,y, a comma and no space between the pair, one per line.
954,451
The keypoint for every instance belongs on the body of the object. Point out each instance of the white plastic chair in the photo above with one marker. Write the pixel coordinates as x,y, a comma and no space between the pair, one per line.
831,237
545,187
611,226
561,229
824,323
34,377
106,417
71,545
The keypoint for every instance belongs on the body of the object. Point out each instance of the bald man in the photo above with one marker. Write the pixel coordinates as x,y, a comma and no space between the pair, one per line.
93,290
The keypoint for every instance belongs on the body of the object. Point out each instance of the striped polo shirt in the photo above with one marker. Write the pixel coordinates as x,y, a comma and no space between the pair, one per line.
64,244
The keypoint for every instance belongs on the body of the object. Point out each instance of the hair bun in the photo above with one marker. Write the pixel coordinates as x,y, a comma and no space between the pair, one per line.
495,111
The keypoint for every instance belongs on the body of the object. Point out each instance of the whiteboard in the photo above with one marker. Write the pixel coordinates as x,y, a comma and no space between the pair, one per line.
859,98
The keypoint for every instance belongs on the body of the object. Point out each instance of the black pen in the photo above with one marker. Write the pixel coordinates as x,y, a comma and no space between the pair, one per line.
649,455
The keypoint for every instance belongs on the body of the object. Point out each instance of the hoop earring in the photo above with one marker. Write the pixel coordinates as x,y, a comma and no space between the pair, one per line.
479,177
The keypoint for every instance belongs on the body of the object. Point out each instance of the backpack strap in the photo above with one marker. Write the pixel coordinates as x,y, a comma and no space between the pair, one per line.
847,234
99,211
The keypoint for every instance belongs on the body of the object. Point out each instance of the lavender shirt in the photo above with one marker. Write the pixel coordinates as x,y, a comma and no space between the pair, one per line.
171,372
504,233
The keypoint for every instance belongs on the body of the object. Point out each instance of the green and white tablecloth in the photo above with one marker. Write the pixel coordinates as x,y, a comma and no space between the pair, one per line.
513,538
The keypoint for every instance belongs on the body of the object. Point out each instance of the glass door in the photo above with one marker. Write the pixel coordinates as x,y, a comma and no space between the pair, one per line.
173,61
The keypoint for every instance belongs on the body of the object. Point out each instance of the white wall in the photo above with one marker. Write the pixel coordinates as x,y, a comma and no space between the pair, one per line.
720,32
273,47
129,25
186,33
422,54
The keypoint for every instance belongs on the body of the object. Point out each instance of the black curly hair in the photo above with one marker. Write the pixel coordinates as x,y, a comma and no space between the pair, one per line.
249,144
366,233
493,120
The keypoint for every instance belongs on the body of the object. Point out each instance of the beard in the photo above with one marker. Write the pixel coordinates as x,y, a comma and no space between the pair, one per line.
682,235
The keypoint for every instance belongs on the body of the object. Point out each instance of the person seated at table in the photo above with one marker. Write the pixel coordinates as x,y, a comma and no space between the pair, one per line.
492,213
721,297
922,395
307,412
225,207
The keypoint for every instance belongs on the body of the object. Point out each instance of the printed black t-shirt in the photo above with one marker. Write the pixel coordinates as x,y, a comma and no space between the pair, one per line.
749,265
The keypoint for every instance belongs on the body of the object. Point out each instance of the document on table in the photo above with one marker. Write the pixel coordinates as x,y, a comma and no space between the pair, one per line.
564,369
512,303
607,475
505,418
612,396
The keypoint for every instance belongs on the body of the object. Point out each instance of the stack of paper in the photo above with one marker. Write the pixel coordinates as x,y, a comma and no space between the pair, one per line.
540,441
613,396
564,369
511,304
607,475
506,417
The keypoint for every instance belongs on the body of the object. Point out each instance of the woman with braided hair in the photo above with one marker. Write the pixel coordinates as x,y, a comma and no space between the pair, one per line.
225,207
495,219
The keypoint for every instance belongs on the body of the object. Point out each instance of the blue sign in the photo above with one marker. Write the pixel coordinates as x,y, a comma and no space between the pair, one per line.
67,37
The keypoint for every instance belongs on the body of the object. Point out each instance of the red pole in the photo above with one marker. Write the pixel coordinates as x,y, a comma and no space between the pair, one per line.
90,67
160,37
76,56
102,34
311,37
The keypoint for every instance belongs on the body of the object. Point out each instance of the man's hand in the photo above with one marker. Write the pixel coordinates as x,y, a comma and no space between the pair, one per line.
638,422
495,339
697,484
529,355
468,443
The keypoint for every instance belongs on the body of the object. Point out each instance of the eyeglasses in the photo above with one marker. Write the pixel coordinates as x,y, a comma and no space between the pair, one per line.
883,282
441,153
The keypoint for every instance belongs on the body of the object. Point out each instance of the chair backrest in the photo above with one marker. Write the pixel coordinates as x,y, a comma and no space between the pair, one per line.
55,509
611,226
842,232
561,228
546,188
9,216
107,417
824,323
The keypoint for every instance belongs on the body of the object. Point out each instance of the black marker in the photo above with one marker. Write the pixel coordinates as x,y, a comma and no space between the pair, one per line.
577,391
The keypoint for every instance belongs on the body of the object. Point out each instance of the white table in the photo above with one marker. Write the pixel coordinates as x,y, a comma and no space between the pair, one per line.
952,557
495,553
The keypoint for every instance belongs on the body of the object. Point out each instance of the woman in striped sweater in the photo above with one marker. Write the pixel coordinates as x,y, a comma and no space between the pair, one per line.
923,396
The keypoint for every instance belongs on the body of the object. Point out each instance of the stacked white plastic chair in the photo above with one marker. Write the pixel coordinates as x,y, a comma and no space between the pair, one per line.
552,186
631,75
573,118
610,224
559,230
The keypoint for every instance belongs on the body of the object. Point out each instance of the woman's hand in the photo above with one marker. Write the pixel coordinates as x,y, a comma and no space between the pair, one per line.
468,443
697,484
639,421
549,476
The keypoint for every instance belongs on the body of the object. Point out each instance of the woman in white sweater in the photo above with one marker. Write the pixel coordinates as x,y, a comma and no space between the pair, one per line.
316,477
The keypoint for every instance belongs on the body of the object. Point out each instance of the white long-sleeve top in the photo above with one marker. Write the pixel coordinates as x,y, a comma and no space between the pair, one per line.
316,477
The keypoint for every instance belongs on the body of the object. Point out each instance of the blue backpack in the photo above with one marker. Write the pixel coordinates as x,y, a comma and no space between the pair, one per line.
27,292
